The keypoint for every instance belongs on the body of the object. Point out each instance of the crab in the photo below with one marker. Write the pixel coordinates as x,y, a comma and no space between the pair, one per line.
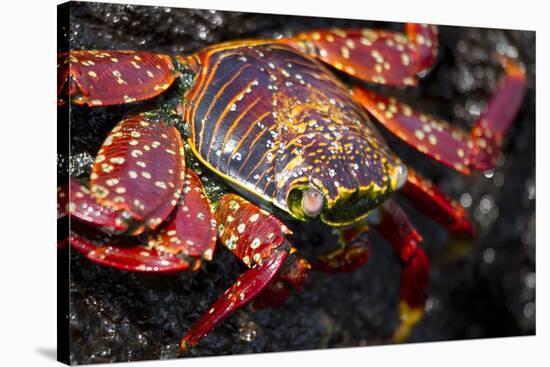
260,132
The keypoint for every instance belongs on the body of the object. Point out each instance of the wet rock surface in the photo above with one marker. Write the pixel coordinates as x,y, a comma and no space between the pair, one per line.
481,288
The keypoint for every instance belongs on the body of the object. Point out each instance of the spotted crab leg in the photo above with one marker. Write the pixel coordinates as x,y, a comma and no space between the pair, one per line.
493,124
291,278
188,234
139,171
258,239
84,208
375,56
191,228
439,139
106,77
430,200
353,253
397,229
125,253
137,180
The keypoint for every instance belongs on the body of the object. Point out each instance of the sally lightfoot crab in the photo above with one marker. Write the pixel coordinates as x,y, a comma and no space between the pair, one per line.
287,140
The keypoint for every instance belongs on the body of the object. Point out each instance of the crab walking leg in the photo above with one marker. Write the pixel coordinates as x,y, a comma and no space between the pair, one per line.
353,253
396,228
424,37
106,77
292,277
376,56
258,239
428,199
443,142
247,286
491,127
344,259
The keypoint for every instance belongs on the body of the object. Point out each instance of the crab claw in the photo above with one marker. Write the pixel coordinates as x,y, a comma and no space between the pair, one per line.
139,171
104,78
187,235
86,209
191,228
123,253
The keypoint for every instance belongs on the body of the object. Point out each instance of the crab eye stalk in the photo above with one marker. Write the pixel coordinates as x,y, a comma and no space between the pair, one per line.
312,202
400,176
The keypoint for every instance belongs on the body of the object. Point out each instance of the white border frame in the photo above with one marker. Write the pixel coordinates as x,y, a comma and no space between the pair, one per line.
28,151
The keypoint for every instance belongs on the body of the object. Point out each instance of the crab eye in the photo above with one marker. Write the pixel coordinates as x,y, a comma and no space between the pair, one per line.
312,202
401,176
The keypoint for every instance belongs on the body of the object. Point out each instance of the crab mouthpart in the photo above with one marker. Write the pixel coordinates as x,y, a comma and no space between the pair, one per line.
312,202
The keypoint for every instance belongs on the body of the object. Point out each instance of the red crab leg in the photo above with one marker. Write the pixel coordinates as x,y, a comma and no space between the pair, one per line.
258,239
424,37
345,259
375,56
249,232
85,208
438,139
123,253
491,127
105,77
431,201
139,171
187,235
292,277
247,286
191,228
353,254
397,229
